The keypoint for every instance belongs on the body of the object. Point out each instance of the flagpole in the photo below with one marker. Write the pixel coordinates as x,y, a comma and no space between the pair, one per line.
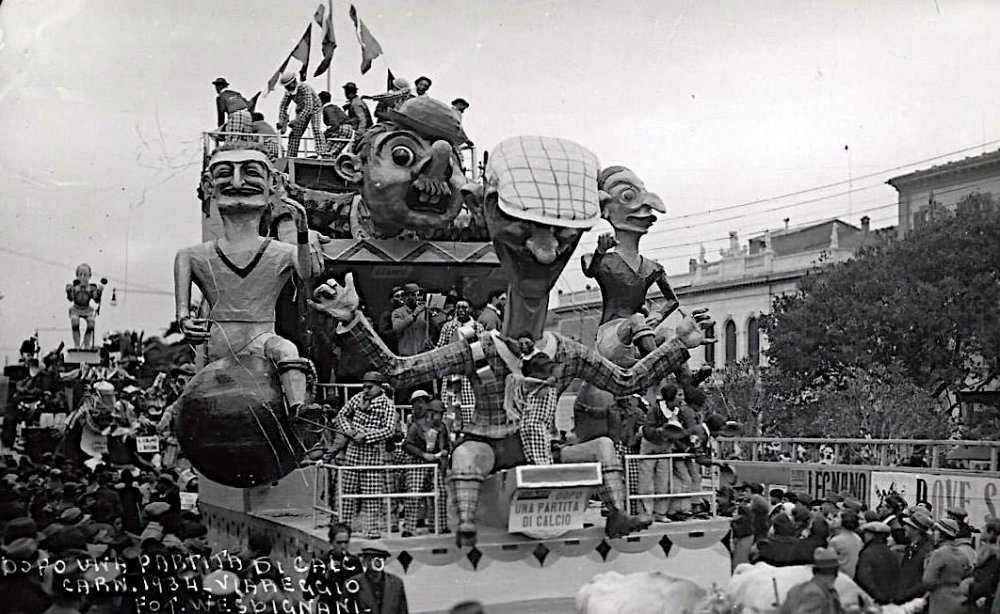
329,69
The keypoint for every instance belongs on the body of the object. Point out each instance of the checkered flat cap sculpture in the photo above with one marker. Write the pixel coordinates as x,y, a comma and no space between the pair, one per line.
546,180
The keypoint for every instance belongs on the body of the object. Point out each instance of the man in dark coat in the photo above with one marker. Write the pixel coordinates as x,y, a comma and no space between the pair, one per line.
981,586
911,568
780,547
380,591
878,567
817,596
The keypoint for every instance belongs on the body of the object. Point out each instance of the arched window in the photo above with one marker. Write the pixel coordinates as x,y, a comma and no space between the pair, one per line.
730,342
710,349
753,342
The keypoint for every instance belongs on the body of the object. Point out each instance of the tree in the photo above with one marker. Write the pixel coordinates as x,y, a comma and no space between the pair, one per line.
736,393
924,310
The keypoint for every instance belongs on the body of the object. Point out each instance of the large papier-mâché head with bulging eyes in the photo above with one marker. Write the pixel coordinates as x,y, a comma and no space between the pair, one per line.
407,170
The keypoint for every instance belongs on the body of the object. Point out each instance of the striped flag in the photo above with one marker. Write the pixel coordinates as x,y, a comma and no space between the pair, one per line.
329,42
370,49
274,78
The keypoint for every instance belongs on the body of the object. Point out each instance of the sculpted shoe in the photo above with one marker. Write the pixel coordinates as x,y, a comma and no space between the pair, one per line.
617,524
660,518
466,534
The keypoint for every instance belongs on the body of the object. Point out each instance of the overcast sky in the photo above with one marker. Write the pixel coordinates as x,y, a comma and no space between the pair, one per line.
714,104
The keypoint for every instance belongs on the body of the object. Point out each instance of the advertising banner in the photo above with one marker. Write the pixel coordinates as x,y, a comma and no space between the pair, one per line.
979,496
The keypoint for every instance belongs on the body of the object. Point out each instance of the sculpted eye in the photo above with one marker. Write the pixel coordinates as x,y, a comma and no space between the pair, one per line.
628,195
402,155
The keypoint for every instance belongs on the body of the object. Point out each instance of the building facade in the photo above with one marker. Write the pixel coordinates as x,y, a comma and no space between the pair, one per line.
738,288
945,187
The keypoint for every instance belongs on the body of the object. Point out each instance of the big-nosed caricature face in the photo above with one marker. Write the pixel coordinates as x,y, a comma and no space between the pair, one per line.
532,255
239,181
406,180
626,203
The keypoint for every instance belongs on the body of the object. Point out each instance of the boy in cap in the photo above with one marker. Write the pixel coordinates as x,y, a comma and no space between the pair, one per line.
427,441
817,596
307,112
368,420
358,115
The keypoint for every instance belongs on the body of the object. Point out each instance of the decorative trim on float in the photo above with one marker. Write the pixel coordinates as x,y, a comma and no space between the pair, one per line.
291,542
382,251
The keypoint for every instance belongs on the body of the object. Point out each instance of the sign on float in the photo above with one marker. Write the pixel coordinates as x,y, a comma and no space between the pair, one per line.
977,495
548,512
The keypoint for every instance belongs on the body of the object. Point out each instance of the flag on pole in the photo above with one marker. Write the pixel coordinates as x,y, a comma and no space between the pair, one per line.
329,42
274,79
252,105
370,49
301,52
389,78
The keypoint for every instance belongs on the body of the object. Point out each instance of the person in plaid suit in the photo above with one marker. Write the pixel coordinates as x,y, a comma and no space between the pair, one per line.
307,111
491,441
457,389
368,420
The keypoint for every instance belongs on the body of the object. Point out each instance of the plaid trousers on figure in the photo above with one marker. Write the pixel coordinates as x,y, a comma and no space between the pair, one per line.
536,425
421,480
295,136
365,482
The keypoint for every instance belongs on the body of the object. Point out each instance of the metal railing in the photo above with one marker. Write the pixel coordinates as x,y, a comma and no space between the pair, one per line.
307,144
962,455
327,474
632,464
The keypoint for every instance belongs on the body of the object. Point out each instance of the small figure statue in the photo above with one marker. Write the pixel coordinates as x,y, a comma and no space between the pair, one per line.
81,292
241,276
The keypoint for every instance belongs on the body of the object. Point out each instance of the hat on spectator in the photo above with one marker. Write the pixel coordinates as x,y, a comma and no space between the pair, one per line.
755,487
850,503
919,520
825,559
152,532
777,492
419,394
957,512
351,85
221,81
948,527
876,526
156,509
21,549
800,514
411,288
375,552
373,377
71,515
18,528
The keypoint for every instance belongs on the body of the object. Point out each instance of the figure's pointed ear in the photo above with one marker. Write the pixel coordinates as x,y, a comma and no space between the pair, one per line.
475,191
603,198
349,167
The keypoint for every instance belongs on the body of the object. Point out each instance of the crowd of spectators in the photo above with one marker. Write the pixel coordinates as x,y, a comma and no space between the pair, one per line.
896,552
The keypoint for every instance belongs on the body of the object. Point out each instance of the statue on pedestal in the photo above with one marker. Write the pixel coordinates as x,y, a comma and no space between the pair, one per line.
242,420
84,295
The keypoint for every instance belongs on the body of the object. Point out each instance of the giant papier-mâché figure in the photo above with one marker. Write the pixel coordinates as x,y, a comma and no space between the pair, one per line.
83,295
407,171
540,196
245,419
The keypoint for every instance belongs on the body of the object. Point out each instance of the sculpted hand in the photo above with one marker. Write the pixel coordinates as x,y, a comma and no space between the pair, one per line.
605,242
316,242
691,330
336,301
195,330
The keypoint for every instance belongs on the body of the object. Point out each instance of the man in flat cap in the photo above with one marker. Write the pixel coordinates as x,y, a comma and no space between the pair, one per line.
368,420
307,112
380,592
911,569
410,322
878,567
817,596
358,115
